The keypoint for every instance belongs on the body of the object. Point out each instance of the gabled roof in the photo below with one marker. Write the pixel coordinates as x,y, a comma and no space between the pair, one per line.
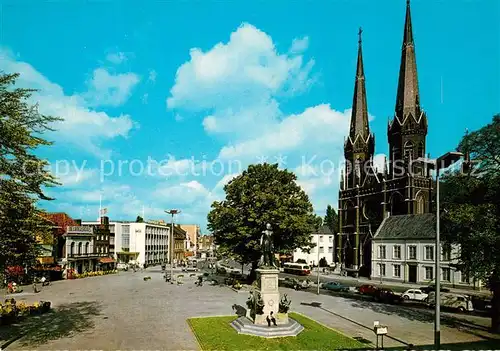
407,227
324,230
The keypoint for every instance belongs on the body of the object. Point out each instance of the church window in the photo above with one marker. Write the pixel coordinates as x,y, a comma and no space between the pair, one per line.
408,150
420,204
421,149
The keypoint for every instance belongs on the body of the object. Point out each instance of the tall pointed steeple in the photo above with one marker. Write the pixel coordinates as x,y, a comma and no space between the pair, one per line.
408,99
359,116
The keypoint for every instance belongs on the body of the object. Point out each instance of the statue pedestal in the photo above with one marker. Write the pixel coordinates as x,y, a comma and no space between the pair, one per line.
267,279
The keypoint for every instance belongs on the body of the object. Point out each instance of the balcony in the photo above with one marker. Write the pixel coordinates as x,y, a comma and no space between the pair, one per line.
88,255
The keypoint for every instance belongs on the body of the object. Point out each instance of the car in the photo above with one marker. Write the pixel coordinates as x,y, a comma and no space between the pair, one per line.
462,303
414,294
334,286
387,296
429,288
367,289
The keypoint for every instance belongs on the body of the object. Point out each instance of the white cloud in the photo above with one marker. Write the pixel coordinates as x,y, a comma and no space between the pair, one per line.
185,193
152,76
82,126
116,57
316,126
239,81
107,89
299,45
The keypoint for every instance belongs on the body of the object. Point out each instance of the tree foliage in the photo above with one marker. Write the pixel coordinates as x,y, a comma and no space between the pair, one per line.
331,219
23,175
471,218
262,194
139,219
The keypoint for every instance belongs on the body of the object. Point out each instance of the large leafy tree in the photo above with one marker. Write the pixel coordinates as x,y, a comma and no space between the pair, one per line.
331,219
471,200
262,194
23,175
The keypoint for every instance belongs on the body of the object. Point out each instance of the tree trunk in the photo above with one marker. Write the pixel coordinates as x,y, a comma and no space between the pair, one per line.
495,305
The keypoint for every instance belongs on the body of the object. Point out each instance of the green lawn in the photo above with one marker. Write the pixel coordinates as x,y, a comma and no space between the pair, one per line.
216,333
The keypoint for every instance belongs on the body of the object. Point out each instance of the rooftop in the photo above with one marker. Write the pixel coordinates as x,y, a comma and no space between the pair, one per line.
407,227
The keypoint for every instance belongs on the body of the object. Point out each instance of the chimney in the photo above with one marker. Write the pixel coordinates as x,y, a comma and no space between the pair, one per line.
104,221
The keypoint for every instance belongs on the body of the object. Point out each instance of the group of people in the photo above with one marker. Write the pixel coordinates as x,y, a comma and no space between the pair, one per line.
13,288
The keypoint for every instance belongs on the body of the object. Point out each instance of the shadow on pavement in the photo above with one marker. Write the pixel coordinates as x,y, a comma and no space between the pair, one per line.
61,322
476,345
318,305
425,316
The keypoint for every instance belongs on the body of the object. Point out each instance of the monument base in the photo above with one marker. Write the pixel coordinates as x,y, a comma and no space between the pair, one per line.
243,325
267,278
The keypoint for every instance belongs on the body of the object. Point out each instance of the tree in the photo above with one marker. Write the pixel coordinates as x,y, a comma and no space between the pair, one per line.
323,262
262,194
139,219
331,219
23,175
472,210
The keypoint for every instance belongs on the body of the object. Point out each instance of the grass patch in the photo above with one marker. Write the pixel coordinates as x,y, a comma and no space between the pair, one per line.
216,333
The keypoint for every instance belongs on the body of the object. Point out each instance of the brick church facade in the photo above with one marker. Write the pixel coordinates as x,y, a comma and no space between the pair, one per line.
367,195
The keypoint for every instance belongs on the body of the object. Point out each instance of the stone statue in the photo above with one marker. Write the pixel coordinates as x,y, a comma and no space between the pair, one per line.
267,247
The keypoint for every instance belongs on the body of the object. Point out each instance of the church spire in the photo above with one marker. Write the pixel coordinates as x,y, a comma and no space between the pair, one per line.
407,99
359,116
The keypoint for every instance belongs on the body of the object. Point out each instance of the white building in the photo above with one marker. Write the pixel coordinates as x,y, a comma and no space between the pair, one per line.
324,241
403,250
79,250
145,243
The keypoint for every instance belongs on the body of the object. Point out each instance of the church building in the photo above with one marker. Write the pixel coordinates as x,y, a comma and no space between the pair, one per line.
368,195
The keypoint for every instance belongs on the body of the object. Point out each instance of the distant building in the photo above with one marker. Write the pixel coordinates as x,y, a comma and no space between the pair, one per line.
206,246
324,242
193,233
145,243
404,250
179,244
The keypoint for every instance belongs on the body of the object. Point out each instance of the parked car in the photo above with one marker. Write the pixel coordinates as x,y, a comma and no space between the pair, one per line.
387,296
429,288
414,294
367,289
462,303
334,286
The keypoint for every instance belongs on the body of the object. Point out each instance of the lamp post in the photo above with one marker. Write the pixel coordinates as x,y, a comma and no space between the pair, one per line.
317,281
172,213
441,162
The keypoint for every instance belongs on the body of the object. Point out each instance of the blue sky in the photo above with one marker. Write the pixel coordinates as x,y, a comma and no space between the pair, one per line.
230,83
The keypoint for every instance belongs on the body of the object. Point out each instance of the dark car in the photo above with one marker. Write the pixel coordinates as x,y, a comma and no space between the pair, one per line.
429,288
367,289
334,286
387,296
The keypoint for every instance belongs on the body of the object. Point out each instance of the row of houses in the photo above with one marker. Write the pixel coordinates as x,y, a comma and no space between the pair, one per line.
85,246
403,250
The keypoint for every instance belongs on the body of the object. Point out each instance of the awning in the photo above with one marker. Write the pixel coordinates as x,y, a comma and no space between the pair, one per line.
106,260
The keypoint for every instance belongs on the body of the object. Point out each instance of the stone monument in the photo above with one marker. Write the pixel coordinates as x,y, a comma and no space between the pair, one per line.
267,315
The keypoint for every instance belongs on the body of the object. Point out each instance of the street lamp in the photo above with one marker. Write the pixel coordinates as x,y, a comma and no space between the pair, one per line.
317,281
172,213
441,162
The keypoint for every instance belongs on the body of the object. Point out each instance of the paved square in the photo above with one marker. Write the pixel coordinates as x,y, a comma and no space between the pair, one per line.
125,312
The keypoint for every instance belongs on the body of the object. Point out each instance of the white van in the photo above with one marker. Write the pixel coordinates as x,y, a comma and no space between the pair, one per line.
456,301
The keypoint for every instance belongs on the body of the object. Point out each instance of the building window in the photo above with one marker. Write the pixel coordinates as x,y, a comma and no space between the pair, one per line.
446,274
446,253
408,150
87,248
464,278
420,204
79,248
381,270
397,252
330,238
381,251
72,249
412,252
429,273
429,253
397,270
321,249
330,249
321,238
